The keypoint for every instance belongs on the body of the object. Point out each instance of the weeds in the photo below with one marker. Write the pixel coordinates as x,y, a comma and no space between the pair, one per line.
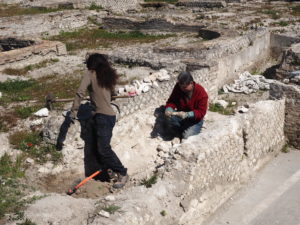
112,209
273,13
149,182
19,90
163,213
10,189
16,10
167,1
96,7
93,38
25,112
285,149
32,145
27,222
213,107
283,23
26,69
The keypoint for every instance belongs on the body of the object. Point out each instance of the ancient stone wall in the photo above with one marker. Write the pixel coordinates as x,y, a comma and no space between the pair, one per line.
280,42
41,48
43,24
292,113
205,170
113,5
241,53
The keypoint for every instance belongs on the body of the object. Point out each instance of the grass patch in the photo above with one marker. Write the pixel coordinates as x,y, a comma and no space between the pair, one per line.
285,149
96,7
229,110
163,213
32,145
16,10
149,182
26,111
272,13
19,90
167,1
26,69
93,38
112,209
283,23
10,188
27,222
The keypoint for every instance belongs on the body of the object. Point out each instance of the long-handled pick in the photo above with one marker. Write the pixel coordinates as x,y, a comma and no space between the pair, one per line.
73,190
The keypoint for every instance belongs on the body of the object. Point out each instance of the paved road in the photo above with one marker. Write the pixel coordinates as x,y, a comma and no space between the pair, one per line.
272,197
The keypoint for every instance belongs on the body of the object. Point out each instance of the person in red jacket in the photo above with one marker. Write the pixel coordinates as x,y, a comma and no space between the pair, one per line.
186,107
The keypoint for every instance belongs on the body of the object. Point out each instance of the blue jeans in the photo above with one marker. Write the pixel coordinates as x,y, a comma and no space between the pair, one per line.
98,151
185,128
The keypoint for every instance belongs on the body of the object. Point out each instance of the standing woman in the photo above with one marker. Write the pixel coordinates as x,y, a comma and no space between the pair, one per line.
100,81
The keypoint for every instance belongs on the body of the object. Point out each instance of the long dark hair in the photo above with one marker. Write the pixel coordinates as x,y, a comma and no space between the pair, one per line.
106,75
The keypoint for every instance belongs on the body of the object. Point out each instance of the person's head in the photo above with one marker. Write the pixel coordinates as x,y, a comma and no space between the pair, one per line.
106,75
185,81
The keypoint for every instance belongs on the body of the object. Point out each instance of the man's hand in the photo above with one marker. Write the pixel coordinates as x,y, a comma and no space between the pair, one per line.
181,114
168,113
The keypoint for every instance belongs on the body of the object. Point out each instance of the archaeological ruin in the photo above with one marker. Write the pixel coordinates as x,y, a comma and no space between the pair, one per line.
246,54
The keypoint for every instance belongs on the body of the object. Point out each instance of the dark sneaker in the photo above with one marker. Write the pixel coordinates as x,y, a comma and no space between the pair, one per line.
121,181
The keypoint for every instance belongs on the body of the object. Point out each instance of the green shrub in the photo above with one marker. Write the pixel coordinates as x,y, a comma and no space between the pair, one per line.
149,182
163,213
112,209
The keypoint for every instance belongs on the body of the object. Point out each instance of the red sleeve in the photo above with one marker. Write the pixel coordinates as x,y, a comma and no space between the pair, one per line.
200,103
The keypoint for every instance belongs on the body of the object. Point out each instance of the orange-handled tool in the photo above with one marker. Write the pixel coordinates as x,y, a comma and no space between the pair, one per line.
73,190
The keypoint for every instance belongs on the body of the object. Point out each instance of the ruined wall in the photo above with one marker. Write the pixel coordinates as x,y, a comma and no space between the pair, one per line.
292,113
241,53
43,24
205,170
280,42
113,5
38,52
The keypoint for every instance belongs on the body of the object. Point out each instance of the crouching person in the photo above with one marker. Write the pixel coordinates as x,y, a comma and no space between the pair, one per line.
186,107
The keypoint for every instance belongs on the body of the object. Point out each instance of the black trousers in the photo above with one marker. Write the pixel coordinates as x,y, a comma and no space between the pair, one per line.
98,153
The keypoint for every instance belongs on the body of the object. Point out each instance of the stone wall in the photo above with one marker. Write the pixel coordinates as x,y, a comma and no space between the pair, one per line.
41,48
280,42
242,53
113,5
292,113
33,26
205,170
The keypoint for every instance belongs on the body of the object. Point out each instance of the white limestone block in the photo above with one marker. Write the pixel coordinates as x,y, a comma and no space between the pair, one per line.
222,103
44,112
